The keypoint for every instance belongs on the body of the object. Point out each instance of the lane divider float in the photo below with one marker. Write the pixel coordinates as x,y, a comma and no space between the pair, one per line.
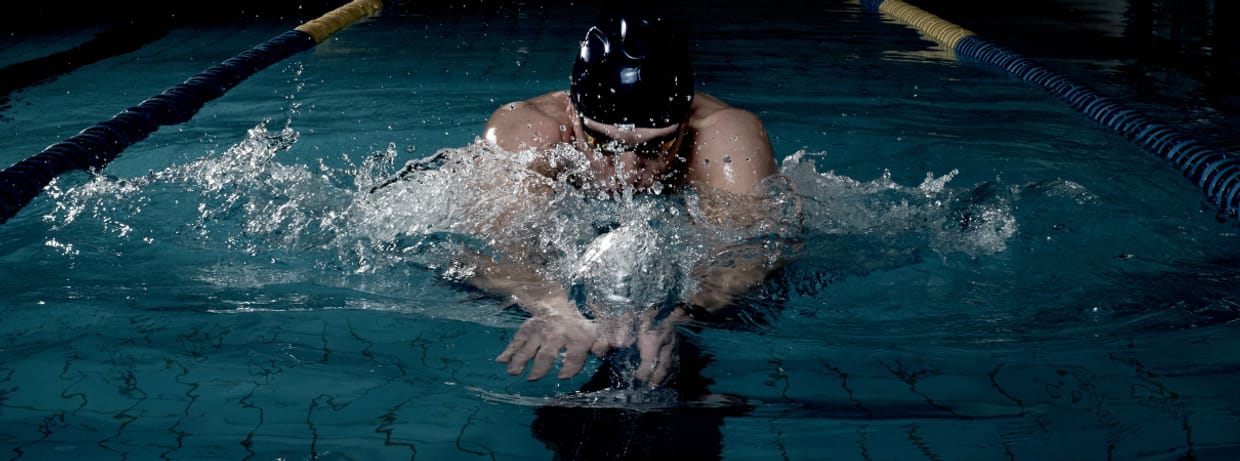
96,146
1217,173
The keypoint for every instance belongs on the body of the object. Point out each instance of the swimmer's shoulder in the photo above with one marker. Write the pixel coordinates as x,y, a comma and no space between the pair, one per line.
705,104
533,123
731,150
552,106
710,112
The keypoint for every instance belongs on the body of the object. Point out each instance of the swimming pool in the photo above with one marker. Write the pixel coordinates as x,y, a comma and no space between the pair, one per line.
984,274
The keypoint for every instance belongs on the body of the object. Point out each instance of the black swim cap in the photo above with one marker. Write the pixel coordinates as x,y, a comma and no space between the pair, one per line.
633,70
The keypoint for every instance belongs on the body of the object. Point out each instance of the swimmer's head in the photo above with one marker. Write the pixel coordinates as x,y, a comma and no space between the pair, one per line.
633,71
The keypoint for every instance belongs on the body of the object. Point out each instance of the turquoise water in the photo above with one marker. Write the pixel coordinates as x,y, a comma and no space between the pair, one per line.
982,275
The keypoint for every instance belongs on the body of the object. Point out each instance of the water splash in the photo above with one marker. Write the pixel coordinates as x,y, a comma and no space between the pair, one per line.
371,226
976,222
615,250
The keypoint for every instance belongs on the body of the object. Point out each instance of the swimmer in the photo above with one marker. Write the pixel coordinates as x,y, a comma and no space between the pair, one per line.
632,110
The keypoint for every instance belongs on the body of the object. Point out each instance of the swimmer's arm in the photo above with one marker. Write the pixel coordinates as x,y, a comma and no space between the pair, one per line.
523,284
555,324
722,279
731,159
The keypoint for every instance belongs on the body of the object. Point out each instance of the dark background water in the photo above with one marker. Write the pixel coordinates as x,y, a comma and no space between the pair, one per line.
1178,61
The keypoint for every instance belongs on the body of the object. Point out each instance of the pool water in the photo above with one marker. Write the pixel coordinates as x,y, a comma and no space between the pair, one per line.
981,273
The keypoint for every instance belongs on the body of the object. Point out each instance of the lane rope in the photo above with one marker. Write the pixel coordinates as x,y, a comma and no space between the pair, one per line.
96,146
1217,173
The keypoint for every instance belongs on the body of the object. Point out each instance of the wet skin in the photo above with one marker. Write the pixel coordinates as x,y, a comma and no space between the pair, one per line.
717,149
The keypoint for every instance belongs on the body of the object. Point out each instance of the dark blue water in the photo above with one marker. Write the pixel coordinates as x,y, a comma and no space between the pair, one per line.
984,274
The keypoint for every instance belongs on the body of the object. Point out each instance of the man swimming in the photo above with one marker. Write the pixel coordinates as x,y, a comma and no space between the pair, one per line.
632,110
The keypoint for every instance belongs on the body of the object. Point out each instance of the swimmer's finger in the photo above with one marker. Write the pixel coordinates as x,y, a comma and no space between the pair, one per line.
649,360
574,359
666,363
544,360
518,340
522,356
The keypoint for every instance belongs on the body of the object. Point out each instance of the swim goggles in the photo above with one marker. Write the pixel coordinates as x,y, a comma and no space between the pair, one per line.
649,149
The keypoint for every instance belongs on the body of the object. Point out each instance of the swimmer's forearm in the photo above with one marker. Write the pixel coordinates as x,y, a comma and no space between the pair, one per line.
737,268
728,276
720,289
533,293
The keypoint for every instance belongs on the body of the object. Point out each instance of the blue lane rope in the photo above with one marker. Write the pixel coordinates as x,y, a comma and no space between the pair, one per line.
1215,172
96,146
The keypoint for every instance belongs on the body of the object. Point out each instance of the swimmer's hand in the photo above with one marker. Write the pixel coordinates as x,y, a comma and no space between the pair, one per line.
656,346
541,339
